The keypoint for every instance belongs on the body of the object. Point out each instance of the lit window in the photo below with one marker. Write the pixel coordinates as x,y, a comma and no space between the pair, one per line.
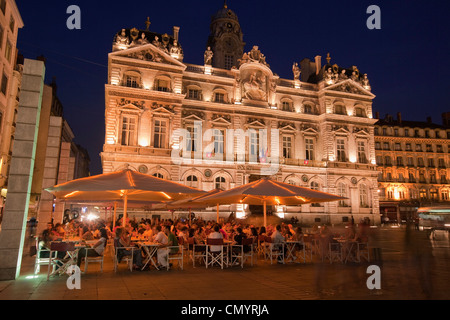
162,85
128,131
218,141
363,201
192,181
220,183
219,97
287,147
362,158
159,133
341,154
131,81
309,149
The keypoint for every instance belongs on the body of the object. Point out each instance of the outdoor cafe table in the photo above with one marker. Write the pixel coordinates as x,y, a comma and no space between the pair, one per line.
290,250
150,249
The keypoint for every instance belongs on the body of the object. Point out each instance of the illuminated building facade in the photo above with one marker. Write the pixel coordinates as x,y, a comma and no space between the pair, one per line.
233,120
412,160
10,78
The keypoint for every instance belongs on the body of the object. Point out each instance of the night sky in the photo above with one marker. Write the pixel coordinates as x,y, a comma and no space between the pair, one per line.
406,61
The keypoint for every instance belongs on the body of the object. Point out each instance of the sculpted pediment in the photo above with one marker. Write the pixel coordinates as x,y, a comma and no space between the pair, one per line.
159,108
350,86
131,104
151,53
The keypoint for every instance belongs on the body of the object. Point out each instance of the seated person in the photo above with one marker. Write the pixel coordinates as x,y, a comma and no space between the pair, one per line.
121,242
98,247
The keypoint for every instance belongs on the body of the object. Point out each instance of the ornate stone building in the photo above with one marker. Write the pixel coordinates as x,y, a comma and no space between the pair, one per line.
233,120
412,160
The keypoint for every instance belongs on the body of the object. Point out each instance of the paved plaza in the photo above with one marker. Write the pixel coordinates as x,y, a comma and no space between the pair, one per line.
413,267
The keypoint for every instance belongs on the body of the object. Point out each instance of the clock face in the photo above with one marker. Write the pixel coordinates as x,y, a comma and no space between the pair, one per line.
229,25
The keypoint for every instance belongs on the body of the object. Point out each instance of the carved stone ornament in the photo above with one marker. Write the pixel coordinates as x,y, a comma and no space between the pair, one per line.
254,55
166,107
254,86
124,102
337,127
216,116
198,114
296,71
251,120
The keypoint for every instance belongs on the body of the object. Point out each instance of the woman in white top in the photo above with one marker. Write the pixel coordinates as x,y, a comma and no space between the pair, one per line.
99,248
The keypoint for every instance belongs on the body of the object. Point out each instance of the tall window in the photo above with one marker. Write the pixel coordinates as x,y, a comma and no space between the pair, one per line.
131,81
128,131
192,181
219,97
162,85
362,158
399,161
254,145
341,155
286,106
218,141
359,112
287,147
194,94
8,51
363,200
308,109
220,183
4,84
229,61
192,138
3,6
309,148
12,23
314,185
339,109
159,133
342,192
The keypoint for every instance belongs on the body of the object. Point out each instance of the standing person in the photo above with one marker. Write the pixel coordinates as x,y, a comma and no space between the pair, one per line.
162,252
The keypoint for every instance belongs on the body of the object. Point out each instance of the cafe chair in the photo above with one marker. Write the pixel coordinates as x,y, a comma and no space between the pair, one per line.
362,251
128,259
238,256
214,257
274,250
41,261
335,252
197,251
262,246
60,266
176,253
88,259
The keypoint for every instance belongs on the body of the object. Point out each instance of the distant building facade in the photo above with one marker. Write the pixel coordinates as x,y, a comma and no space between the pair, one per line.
413,164
233,120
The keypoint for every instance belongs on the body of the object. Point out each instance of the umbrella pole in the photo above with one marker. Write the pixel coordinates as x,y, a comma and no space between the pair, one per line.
190,223
114,219
217,213
265,215
125,203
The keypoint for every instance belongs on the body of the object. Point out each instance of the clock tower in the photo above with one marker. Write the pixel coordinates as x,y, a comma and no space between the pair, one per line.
225,39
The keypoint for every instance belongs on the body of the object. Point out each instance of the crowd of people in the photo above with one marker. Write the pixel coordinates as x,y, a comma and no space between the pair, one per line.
170,233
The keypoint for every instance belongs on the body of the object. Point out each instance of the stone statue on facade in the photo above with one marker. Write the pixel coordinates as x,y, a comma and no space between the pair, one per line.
254,87
208,56
296,71
122,39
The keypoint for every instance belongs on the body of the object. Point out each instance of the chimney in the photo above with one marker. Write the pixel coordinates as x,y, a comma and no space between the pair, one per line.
446,119
399,117
377,115
318,64
176,30
42,58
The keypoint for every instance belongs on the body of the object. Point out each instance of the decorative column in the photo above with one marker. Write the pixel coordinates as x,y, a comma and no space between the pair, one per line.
14,222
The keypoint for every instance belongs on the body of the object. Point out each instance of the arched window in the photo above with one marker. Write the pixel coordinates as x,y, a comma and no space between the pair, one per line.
340,109
360,112
132,79
158,175
220,183
342,192
220,95
308,109
363,196
192,181
162,83
287,105
314,185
